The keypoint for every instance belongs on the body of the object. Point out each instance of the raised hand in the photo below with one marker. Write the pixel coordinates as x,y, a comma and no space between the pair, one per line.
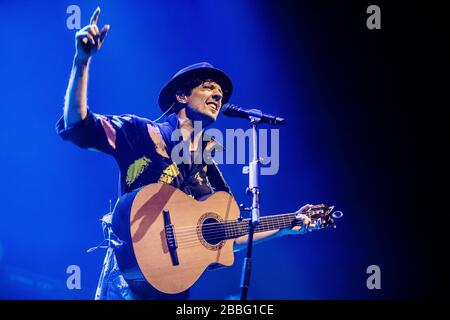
89,39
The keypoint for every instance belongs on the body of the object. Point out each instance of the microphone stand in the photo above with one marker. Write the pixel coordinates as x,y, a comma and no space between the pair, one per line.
253,188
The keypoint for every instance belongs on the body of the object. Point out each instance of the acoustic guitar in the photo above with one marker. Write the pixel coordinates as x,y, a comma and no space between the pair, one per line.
170,239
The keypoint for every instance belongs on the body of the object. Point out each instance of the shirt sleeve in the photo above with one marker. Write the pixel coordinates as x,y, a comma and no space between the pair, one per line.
104,133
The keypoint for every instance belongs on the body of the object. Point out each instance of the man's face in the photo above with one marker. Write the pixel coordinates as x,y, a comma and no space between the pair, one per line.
204,102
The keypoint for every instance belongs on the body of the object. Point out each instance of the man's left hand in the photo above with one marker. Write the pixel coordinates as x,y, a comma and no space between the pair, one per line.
305,224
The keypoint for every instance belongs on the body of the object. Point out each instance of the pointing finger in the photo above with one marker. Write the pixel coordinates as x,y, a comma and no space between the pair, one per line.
95,15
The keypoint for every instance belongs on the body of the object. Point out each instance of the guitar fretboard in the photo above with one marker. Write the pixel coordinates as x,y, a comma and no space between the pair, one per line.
238,228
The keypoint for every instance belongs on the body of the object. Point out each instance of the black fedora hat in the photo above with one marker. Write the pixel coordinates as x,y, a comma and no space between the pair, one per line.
202,70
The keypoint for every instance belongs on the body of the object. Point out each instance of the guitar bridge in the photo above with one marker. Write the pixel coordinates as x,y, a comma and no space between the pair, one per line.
170,238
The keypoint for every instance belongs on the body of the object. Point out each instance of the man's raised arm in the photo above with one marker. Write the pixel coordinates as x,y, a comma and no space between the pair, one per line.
88,41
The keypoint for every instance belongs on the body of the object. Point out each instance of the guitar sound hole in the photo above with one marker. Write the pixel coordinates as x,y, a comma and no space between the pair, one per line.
212,231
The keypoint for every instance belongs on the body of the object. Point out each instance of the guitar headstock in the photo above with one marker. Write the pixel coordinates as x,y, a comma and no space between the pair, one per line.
322,216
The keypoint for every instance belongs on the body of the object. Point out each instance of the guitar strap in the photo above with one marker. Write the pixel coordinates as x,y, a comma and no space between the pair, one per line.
216,178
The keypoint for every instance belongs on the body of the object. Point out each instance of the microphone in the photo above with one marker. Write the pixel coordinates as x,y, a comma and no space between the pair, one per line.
233,110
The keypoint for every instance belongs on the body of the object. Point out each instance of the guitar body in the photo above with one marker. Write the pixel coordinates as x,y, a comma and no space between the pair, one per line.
147,258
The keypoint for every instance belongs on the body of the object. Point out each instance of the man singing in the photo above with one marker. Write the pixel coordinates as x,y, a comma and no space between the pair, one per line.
142,148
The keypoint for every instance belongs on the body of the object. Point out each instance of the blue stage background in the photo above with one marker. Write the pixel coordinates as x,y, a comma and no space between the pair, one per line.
315,64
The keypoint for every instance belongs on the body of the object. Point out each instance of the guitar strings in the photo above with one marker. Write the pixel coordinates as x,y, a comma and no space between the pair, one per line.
190,234
233,229
212,225
183,243
272,217
194,236
229,228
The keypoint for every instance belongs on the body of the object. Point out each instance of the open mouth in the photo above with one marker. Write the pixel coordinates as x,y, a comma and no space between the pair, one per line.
213,106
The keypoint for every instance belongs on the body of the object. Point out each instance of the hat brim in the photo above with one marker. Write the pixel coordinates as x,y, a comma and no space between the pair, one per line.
167,94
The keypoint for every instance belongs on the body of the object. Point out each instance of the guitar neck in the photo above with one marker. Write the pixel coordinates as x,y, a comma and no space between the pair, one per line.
237,228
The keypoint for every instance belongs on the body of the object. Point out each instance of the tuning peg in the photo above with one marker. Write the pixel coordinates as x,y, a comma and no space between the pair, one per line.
337,214
244,208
